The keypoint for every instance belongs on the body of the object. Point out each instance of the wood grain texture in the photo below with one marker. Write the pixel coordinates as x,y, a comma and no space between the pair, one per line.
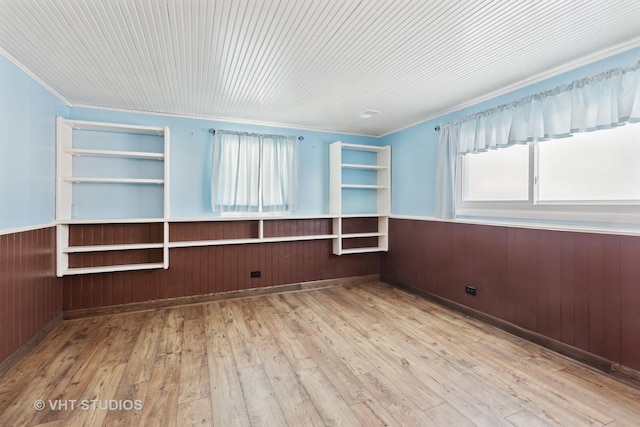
204,270
580,289
30,294
365,354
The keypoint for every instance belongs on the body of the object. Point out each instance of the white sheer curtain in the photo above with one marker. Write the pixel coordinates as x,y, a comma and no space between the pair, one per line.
253,173
602,101
446,172
280,173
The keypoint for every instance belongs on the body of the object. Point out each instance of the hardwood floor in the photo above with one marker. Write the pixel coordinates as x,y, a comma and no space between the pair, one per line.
359,355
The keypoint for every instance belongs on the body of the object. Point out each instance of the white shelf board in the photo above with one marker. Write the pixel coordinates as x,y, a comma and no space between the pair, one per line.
112,268
80,221
362,250
108,248
299,238
112,153
359,147
362,166
194,243
364,215
113,127
81,180
222,242
249,218
365,186
358,235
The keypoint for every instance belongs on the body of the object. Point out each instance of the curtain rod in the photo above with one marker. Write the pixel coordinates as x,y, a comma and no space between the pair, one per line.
212,131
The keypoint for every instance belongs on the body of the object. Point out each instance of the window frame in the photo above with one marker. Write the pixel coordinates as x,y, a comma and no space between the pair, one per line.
608,211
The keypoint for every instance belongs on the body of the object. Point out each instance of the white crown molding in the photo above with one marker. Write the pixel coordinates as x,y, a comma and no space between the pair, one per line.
553,72
222,119
37,79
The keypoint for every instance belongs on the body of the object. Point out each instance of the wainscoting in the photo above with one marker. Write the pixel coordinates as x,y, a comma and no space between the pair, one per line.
209,269
30,293
580,289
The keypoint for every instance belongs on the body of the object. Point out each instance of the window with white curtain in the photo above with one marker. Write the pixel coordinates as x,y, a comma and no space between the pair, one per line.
254,173
592,175
570,153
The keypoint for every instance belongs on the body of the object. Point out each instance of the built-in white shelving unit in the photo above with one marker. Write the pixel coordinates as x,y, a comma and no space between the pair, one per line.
114,159
360,187
69,160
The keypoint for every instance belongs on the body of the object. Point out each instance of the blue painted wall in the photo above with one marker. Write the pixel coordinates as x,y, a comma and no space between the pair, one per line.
414,149
27,149
191,148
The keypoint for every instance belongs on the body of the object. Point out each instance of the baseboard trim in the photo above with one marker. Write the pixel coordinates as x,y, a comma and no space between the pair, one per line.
220,296
619,372
28,346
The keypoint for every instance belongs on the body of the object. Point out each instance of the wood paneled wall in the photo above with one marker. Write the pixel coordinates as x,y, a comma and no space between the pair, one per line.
210,269
578,288
30,294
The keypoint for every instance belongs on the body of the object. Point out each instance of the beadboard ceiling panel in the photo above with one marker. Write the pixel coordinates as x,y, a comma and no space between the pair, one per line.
306,63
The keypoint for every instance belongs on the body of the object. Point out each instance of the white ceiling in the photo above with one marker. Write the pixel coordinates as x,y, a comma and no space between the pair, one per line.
305,63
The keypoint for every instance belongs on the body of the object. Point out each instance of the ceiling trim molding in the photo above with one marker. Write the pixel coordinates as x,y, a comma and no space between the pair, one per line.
37,79
224,119
569,66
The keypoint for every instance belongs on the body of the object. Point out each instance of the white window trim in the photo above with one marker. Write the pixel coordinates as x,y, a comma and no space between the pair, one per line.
618,212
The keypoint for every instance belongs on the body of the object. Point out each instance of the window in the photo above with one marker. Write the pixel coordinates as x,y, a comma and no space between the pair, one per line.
254,173
484,177
591,176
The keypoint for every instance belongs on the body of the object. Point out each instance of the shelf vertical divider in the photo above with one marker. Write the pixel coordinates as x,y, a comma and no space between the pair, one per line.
62,241
335,193
167,196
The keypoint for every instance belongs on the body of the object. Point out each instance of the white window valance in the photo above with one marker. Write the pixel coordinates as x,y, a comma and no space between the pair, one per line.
602,101
605,100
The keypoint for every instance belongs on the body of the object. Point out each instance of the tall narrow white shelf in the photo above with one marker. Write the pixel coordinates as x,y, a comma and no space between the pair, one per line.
365,171
69,156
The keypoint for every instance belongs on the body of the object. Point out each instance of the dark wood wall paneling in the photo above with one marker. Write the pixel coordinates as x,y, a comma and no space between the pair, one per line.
211,269
359,225
30,295
114,234
581,289
186,231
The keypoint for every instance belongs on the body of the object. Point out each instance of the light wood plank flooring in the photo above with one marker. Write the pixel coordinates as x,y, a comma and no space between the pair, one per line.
359,355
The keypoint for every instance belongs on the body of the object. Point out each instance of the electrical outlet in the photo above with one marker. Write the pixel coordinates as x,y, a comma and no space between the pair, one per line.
470,290
255,274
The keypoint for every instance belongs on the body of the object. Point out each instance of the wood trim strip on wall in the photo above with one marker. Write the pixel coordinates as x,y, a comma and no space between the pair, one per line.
530,225
25,229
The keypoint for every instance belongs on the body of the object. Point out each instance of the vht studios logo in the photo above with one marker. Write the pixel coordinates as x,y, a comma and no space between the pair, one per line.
89,405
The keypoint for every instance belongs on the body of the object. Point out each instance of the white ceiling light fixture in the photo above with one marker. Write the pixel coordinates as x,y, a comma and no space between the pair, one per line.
367,114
